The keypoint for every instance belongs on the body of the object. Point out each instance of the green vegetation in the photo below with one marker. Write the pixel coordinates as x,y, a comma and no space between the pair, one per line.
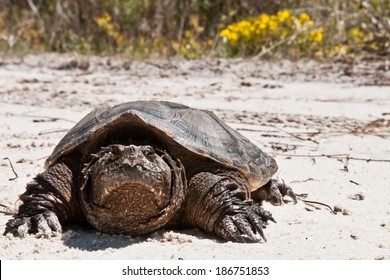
197,28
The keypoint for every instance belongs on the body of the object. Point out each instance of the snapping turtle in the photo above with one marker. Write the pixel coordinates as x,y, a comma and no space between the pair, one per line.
141,166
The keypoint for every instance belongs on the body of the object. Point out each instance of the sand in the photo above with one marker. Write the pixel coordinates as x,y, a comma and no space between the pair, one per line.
326,124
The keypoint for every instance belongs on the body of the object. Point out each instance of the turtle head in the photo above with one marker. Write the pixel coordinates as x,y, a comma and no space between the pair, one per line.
132,189
122,169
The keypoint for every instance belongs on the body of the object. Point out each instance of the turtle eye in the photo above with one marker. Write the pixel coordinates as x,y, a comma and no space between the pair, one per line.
148,152
115,149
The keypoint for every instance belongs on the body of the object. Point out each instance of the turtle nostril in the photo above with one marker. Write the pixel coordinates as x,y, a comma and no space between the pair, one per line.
131,149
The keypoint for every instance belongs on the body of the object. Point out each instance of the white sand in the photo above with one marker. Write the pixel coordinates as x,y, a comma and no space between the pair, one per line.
276,105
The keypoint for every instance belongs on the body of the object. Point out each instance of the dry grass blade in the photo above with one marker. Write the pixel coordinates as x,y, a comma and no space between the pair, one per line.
13,170
311,202
8,210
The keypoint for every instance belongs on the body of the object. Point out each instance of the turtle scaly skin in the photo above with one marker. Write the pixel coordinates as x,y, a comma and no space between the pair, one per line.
49,201
220,204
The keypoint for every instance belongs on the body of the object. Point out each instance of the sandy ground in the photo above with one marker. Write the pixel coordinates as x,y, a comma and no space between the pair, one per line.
327,125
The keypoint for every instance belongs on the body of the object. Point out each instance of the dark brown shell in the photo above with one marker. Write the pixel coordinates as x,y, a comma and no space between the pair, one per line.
197,137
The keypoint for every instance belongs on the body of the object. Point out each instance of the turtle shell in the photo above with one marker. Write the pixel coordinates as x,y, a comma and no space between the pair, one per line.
198,138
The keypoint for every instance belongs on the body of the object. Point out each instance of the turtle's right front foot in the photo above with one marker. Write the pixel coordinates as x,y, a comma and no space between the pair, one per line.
45,224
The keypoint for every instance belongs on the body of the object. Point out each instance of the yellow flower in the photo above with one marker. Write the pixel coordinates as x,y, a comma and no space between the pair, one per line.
264,18
263,25
243,24
245,33
229,35
231,27
303,17
357,34
309,23
374,46
269,27
273,24
317,35
233,37
103,19
224,33
340,49
283,15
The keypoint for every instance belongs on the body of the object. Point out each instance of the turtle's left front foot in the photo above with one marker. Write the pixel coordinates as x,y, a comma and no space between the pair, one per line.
221,205
273,192
246,226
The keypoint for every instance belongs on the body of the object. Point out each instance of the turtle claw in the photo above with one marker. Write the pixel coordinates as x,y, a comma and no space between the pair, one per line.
238,229
273,192
245,226
47,225
42,225
291,194
18,226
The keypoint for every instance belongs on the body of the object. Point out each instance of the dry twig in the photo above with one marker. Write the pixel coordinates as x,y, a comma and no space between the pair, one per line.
8,210
52,131
13,170
310,202
298,137
302,197
335,156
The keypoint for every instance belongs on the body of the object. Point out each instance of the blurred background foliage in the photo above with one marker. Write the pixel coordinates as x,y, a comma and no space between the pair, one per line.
291,29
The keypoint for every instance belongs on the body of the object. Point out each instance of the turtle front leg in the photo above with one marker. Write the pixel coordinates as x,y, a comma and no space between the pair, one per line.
48,202
220,204
273,192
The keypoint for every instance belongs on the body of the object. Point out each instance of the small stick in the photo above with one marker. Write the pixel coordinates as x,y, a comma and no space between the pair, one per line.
336,156
13,170
48,118
52,131
8,211
306,180
319,203
296,136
